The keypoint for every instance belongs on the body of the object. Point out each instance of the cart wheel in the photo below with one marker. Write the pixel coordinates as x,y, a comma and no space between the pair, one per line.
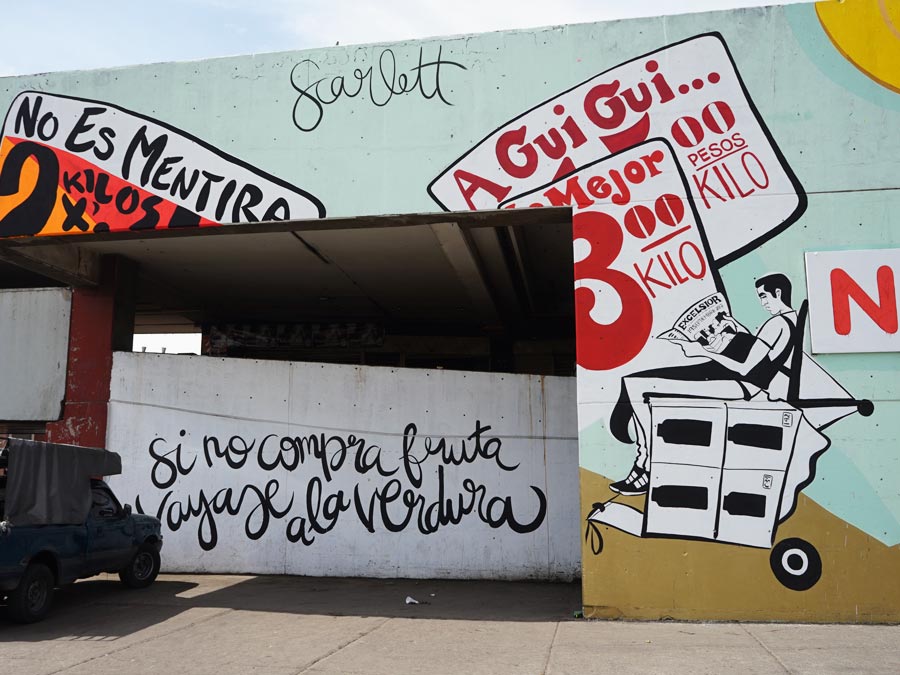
796,564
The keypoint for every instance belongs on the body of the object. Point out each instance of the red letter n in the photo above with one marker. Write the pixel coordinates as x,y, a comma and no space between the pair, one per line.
883,313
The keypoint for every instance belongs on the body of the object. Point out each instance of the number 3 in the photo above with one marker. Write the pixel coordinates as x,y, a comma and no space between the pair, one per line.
607,346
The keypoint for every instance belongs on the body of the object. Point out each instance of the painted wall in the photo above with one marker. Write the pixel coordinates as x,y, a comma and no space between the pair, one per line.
34,334
726,472
700,153
297,468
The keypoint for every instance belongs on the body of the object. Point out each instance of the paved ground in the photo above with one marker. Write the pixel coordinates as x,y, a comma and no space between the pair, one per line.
187,625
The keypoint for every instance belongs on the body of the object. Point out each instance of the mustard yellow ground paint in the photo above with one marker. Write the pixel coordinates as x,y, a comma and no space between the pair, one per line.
635,578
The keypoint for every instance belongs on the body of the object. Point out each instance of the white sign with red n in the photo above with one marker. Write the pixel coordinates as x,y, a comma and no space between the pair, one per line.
853,300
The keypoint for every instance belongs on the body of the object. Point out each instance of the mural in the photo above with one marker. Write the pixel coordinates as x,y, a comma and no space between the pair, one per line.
398,504
73,166
719,409
332,481
732,181
726,423
689,92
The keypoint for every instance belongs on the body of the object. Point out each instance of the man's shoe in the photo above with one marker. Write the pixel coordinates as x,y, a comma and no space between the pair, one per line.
636,483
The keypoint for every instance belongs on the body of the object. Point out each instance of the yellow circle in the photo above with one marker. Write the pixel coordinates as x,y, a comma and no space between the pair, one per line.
867,33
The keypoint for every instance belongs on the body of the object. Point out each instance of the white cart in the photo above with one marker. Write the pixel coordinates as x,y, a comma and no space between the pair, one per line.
725,471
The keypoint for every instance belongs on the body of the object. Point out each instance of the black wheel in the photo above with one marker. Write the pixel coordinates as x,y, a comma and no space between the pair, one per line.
143,568
796,564
31,599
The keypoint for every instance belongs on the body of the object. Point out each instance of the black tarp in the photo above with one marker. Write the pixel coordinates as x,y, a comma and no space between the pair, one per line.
49,483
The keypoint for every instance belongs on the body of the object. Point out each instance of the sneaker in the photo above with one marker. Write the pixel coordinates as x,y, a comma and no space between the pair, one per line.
635,484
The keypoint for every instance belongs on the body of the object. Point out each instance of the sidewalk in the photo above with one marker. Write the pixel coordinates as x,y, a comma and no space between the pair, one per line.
220,625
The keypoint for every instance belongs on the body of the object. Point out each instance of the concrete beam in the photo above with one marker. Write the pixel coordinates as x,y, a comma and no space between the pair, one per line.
461,256
520,252
66,263
468,219
491,247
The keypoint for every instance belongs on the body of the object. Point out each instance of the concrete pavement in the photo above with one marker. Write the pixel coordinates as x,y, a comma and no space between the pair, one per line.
289,625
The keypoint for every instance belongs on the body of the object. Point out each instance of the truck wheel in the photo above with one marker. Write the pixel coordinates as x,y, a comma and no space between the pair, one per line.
796,564
31,599
143,568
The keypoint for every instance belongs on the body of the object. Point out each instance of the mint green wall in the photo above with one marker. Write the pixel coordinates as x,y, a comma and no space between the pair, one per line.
368,160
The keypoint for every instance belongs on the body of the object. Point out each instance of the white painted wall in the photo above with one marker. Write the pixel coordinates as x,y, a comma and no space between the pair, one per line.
161,402
34,347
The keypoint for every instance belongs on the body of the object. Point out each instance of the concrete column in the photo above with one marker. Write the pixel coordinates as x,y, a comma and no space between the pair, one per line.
102,321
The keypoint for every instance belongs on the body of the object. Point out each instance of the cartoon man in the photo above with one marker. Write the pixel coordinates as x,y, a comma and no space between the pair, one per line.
754,364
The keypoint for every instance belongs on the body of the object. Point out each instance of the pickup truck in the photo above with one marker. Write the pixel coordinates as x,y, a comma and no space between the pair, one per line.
62,523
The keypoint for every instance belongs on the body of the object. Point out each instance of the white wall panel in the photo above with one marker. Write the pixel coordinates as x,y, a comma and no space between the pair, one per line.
34,344
528,456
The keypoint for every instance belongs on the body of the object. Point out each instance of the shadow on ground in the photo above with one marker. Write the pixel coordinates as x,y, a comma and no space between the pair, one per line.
102,609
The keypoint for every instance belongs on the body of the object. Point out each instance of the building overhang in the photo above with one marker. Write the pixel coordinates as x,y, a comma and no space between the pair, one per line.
494,270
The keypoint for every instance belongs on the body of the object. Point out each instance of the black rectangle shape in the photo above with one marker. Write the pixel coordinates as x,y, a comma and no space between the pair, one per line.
681,497
685,432
757,436
745,504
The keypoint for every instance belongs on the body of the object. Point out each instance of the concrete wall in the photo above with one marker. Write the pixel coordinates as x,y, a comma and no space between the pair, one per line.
699,154
298,468
34,338
751,495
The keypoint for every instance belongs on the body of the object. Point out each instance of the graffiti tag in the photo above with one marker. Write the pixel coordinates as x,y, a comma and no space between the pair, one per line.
379,83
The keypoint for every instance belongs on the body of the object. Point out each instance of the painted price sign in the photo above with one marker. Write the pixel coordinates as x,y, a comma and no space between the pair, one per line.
641,256
73,166
689,93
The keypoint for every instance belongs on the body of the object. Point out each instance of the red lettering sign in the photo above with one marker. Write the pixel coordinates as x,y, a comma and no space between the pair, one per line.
883,312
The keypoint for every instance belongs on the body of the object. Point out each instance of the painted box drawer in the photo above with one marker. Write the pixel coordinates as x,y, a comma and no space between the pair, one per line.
683,500
688,431
760,435
750,499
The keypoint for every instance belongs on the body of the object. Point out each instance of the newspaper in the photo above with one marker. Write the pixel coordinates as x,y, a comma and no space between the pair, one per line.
708,322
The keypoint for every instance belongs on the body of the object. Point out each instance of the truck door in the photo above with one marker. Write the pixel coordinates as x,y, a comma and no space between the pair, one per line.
110,532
